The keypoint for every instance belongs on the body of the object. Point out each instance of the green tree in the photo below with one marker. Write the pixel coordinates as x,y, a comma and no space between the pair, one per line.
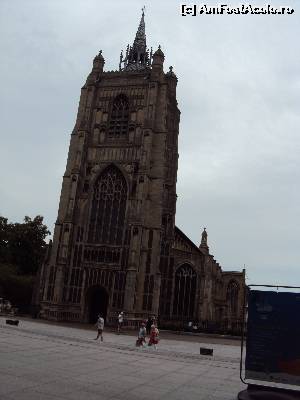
26,242
23,244
22,250
15,287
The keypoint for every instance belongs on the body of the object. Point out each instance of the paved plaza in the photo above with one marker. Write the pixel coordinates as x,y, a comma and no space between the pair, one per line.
48,361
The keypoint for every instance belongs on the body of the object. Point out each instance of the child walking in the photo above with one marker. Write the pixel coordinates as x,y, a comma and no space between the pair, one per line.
154,336
141,340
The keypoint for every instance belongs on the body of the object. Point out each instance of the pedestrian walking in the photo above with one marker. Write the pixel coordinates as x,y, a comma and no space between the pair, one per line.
100,327
141,340
120,321
154,336
149,323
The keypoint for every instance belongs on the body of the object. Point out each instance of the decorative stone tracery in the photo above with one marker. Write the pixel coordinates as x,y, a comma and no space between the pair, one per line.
108,208
119,118
184,291
232,296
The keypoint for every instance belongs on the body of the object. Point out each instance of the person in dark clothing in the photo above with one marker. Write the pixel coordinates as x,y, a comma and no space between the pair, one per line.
149,323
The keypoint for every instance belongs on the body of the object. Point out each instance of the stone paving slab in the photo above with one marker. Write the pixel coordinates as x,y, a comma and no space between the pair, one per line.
43,361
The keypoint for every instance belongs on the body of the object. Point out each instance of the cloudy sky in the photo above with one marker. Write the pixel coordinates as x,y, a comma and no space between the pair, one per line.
239,96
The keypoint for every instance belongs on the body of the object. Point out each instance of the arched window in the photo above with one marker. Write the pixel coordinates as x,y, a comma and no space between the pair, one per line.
108,208
119,116
184,291
232,297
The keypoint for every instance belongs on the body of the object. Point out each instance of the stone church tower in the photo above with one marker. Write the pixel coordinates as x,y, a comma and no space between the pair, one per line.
118,199
115,244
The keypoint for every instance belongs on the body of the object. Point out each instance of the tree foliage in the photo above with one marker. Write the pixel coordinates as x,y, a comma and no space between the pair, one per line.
22,249
15,287
23,244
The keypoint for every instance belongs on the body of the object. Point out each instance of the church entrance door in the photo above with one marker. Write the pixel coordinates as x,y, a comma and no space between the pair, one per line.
97,301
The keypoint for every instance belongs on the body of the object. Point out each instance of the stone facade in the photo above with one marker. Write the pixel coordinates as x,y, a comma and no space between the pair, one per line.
115,244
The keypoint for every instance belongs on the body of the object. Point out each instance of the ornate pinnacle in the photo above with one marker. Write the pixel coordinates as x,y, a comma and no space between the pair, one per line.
204,238
137,56
121,59
140,37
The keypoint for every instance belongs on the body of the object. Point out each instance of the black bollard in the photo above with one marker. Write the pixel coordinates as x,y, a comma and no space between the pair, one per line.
206,352
12,322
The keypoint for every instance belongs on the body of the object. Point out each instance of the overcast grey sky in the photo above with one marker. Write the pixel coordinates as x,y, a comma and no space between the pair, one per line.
239,96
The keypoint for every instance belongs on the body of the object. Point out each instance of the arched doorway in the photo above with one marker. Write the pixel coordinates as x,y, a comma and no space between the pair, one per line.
97,303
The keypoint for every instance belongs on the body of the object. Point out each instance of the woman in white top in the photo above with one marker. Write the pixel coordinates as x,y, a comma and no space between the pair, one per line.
120,321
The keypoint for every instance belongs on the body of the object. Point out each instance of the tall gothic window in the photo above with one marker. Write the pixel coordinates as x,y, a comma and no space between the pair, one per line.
232,297
108,208
184,291
119,117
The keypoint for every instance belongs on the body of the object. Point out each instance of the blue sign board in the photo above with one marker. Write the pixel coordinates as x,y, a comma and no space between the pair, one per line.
273,337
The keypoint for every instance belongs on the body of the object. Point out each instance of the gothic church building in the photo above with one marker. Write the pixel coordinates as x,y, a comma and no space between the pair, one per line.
115,244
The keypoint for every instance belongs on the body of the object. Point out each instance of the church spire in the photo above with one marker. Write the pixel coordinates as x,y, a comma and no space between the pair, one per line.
140,37
137,56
